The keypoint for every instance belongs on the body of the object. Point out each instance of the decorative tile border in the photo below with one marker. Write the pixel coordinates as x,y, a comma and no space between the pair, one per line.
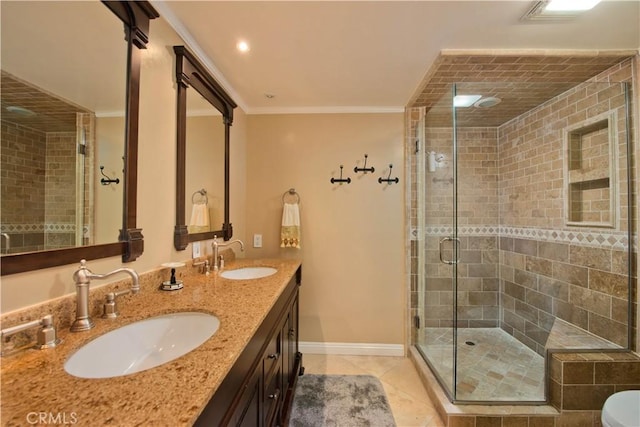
60,228
38,228
610,239
22,228
601,239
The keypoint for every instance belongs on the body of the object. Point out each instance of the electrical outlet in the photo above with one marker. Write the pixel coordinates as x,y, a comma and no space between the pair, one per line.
195,248
257,240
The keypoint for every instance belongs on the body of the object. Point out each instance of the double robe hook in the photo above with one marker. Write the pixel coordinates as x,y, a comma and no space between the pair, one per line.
341,179
364,169
388,179
107,180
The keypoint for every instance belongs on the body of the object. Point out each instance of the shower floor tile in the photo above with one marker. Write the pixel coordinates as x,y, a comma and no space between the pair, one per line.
495,367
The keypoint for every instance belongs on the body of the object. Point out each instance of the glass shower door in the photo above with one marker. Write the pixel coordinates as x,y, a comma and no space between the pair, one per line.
438,246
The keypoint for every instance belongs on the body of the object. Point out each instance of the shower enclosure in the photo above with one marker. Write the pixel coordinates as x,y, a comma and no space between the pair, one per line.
521,229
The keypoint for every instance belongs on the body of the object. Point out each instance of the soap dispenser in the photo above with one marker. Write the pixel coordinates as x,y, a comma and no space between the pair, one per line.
172,284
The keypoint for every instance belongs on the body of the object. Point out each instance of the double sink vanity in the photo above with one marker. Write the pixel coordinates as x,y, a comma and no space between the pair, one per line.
221,351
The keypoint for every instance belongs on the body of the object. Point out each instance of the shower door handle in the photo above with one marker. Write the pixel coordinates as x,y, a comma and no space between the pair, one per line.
456,242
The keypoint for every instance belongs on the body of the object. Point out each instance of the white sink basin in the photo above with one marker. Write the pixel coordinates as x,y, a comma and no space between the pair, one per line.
142,345
247,273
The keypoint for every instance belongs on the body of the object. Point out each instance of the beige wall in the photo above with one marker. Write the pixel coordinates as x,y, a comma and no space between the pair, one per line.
205,157
352,234
107,199
156,183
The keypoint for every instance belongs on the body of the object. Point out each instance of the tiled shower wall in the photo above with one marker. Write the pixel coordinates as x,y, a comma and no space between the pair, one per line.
23,187
60,190
38,188
477,187
575,273
511,203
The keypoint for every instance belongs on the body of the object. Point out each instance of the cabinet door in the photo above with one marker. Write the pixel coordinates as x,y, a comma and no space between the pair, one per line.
247,413
287,356
292,343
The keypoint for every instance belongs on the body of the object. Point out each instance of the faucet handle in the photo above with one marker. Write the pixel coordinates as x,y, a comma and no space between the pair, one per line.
110,308
47,336
205,266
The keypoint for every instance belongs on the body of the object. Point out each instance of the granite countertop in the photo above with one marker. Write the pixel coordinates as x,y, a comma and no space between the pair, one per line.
173,394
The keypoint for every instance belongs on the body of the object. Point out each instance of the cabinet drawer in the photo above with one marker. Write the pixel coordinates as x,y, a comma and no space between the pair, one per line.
272,398
272,355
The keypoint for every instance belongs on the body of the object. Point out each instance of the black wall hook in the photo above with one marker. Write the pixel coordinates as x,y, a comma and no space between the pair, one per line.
364,169
107,180
388,179
341,179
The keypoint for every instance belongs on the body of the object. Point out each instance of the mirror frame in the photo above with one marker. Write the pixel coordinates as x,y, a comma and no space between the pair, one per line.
136,16
191,73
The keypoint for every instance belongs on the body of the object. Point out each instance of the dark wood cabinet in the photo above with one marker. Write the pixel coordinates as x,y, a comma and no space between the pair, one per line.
248,413
258,390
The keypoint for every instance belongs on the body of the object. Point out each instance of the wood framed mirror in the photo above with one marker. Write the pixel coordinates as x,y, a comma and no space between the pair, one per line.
125,238
193,79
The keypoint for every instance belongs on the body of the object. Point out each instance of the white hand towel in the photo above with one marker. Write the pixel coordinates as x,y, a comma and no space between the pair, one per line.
290,232
199,218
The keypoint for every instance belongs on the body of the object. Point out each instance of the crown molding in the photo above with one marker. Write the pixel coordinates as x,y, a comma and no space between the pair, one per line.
326,110
165,11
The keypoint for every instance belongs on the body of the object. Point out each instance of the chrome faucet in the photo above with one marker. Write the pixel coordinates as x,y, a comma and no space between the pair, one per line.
82,276
217,261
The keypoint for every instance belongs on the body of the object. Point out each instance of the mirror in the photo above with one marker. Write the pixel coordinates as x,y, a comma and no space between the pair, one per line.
204,174
70,79
204,117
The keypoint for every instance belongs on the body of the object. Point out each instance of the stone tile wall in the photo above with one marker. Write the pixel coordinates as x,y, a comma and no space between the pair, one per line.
23,186
585,286
60,190
581,382
578,274
477,187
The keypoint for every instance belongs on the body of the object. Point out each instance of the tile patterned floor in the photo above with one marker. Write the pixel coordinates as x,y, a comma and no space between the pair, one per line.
408,399
497,367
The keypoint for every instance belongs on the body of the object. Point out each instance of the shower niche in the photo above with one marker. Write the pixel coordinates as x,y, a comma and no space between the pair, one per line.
590,173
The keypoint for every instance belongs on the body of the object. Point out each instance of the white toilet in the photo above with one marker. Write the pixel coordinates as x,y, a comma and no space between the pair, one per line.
622,409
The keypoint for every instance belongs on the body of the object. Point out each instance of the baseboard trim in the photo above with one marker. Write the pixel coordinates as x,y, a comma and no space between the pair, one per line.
355,349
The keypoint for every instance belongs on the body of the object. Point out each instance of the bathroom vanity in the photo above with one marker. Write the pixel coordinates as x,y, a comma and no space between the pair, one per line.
245,374
258,390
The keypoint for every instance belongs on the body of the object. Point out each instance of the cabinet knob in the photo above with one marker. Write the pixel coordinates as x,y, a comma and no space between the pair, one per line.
275,395
274,356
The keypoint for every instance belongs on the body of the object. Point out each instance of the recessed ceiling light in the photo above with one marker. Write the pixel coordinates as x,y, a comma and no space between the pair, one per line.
465,100
558,10
243,46
21,111
489,101
269,95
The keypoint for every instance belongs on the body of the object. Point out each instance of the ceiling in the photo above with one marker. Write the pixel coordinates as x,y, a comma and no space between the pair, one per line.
58,50
369,56
519,82
50,113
